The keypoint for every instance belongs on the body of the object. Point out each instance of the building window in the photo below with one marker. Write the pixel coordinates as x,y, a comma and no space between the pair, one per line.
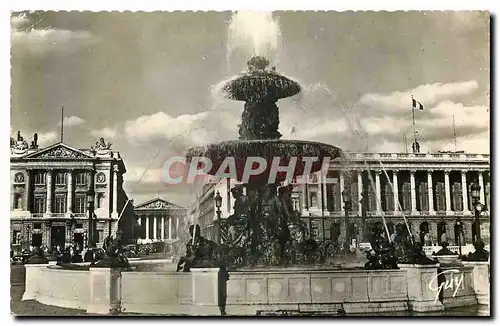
389,198
372,200
406,196
18,201
60,178
39,206
100,200
37,226
40,178
79,203
314,200
423,196
81,178
60,204
440,196
100,235
457,196
16,236
79,226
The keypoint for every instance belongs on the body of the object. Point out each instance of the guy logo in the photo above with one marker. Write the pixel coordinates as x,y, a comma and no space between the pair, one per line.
454,283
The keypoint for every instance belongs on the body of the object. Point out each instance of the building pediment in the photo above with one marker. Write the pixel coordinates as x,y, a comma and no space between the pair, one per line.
59,151
156,204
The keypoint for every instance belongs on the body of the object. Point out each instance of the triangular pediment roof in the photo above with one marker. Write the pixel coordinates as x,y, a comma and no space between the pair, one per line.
157,204
59,151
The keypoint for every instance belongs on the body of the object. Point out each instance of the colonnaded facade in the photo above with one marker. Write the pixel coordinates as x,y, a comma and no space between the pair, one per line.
433,193
49,191
161,220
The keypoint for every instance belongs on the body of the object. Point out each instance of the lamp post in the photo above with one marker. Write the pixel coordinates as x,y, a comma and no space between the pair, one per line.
90,208
478,208
218,204
347,206
458,227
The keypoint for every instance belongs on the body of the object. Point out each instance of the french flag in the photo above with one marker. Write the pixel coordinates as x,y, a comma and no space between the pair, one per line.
415,103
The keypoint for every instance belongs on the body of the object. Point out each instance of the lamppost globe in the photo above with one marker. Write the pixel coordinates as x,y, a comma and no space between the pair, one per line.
90,197
218,199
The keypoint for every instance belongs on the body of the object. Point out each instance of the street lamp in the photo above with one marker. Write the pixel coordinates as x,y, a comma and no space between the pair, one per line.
458,227
478,208
218,204
90,208
347,206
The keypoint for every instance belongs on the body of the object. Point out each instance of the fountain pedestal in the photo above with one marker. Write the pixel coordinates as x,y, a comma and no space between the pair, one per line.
422,297
105,290
209,291
480,280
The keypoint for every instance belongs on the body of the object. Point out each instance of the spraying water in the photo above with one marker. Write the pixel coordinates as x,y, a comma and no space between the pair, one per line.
254,33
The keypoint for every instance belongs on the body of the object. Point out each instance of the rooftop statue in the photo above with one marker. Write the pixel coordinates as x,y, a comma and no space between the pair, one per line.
101,145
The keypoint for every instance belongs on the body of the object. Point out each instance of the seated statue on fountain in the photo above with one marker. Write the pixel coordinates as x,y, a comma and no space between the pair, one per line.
382,255
200,252
114,257
480,254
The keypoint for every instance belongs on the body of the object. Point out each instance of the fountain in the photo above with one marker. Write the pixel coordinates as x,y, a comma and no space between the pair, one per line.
264,215
276,274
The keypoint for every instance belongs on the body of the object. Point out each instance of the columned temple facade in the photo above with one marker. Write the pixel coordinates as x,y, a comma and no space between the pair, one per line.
433,193
49,189
160,220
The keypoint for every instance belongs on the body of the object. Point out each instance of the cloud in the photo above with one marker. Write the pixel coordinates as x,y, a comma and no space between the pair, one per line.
26,35
428,95
186,130
106,132
72,121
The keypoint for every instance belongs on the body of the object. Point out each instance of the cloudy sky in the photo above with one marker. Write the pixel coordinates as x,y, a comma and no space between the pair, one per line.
148,82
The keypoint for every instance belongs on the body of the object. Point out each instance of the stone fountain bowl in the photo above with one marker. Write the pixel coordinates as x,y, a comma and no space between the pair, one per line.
241,150
258,85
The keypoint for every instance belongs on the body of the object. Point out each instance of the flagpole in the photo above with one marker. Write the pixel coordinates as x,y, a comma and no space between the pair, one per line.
62,123
414,130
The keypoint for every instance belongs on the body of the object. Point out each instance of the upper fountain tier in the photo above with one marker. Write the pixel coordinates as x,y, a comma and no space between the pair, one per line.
260,85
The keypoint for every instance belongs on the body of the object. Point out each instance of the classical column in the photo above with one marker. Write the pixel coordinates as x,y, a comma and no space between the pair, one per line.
114,213
430,192
163,228
483,189
447,191
147,227
378,192
325,194
395,190
27,186
170,228
413,193
49,192
465,193
360,193
155,228
69,198
304,197
177,227
341,189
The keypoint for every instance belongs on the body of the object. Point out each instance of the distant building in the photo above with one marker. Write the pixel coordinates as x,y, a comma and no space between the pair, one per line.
160,220
49,188
433,192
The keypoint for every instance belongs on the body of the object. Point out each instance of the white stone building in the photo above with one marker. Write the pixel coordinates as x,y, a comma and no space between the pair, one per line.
430,195
49,188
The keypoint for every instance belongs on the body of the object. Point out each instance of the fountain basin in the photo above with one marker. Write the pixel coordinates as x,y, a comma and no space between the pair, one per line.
249,292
